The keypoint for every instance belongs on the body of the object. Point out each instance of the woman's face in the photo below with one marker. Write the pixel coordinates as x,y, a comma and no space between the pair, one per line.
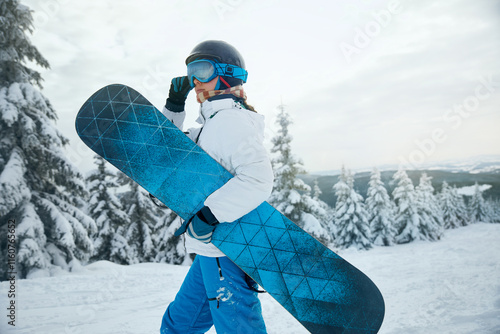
204,86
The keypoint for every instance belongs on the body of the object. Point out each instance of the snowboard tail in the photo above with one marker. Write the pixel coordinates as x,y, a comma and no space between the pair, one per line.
319,288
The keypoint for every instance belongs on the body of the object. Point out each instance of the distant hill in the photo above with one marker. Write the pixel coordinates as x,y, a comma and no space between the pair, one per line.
458,179
473,165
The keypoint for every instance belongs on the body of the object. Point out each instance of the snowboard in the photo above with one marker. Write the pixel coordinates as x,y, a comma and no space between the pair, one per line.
321,290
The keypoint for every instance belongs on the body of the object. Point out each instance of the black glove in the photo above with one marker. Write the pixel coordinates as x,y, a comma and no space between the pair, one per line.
201,226
179,90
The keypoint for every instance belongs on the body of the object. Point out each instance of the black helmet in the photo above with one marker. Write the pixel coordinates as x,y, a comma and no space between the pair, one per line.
219,51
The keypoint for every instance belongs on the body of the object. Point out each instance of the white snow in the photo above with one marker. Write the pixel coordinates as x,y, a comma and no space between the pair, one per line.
8,111
12,182
448,286
312,224
469,190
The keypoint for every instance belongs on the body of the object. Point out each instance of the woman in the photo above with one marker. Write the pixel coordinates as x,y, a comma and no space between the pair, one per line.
215,291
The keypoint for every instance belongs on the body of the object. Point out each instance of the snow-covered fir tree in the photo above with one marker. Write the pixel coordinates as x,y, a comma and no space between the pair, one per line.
494,206
144,216
316,192
406,214
131,227
106,210
453,207
291,195
461,207
40,189
287,190
381,211
168,247
352,228
315,220
321,210
429,210
479,211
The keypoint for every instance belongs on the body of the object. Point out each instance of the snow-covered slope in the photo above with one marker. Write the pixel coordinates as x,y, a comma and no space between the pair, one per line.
449,286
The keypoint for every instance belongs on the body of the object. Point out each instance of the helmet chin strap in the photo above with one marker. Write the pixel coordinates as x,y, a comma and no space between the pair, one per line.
223,81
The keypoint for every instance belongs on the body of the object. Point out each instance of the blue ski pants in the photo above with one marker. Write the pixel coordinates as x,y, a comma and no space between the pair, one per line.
215,292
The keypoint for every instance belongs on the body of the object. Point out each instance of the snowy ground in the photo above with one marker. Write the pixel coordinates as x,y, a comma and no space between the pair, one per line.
450,286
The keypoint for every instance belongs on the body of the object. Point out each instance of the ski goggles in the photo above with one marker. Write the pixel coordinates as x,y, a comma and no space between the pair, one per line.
206,70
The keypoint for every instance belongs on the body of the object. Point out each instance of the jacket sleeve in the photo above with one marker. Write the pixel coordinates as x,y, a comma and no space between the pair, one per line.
177,118
242,151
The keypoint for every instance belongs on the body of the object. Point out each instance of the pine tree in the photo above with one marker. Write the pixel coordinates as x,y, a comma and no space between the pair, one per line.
321,210
106,209
315,220
316,190
460,207
406,216
169,248
40,189
452,206
144,216
430,213
478,208
286,196
381,211
351,219
291,195
494,205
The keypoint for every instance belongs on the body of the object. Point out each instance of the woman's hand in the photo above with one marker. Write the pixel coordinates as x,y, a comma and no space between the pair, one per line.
201,226
179,90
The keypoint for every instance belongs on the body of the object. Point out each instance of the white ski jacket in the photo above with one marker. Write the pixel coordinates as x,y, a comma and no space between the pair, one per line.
234,137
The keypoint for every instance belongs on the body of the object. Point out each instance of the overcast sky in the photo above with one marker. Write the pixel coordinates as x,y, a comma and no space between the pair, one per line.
366,82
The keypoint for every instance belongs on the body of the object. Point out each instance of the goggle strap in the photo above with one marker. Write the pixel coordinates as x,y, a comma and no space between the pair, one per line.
229,70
